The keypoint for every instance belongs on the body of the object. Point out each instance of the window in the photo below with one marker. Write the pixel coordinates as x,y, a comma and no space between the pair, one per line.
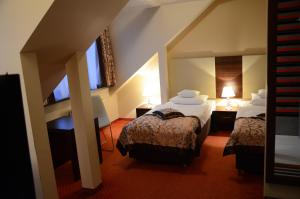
61,92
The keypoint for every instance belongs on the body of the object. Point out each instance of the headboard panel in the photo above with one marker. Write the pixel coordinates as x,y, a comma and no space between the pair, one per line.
229,73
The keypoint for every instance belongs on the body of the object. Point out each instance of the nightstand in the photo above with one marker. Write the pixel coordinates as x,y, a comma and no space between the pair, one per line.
222,119
141,110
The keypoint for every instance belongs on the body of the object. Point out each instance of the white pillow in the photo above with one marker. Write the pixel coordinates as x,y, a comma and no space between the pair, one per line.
189,100
188,93
203,97
259,102
262,93
254,96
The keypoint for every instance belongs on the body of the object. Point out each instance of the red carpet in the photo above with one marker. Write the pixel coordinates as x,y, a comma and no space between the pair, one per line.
208,177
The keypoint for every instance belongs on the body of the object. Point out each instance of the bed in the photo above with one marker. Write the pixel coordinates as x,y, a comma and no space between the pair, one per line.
247,139
177,140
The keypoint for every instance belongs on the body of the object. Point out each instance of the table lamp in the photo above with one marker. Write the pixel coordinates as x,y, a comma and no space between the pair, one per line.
148,92
228,92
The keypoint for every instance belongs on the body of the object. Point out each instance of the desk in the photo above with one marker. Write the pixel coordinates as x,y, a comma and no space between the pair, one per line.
63,145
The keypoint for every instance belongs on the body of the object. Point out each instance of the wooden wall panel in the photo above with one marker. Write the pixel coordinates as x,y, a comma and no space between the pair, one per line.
229,73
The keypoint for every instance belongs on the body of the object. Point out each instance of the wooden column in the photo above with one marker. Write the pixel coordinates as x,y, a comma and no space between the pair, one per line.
82,114
43,172
163,74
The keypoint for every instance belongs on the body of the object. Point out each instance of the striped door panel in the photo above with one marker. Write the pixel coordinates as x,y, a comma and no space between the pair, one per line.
287,67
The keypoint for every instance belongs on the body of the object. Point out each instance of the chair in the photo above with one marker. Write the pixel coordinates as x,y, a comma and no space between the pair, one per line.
103,119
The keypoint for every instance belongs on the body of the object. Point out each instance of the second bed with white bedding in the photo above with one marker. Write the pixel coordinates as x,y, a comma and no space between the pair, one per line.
247,139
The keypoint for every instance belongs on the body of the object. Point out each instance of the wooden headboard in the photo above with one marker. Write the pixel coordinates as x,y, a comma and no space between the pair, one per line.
229,73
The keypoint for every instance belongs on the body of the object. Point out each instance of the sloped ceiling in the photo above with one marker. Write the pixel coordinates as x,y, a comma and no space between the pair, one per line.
67,27
229,27
138,33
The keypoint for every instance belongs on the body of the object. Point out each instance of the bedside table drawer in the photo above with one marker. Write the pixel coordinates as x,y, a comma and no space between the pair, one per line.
225,116
222,120
141,110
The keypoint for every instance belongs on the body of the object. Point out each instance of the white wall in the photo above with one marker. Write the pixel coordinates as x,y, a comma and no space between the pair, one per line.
18,28
131,94
254,74
18,19
199,74
138,33
229,27
194,73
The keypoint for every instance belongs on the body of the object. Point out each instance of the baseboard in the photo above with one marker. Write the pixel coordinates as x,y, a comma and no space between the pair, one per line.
126,119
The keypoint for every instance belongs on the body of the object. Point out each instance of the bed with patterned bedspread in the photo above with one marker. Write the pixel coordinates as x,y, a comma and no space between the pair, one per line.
165,136
247,142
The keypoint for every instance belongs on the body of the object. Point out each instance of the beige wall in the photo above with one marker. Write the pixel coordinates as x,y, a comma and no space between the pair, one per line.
66,28
194,73
131,94
231,27
138,33
199,74
18,22
254,74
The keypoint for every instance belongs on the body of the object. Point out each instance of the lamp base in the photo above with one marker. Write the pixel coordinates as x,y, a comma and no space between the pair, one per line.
228,105
228,108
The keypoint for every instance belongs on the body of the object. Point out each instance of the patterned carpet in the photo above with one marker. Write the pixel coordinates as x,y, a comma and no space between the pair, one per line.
211,176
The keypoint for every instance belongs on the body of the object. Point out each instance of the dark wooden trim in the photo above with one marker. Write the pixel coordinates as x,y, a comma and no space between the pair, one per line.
270,127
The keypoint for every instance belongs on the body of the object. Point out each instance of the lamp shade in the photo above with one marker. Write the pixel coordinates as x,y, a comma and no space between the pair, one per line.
148,91
228,92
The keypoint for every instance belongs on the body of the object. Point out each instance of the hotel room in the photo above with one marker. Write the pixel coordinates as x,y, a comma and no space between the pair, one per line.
150,98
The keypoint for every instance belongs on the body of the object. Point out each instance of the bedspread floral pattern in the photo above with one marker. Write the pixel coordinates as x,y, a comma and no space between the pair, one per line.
248,131
177,132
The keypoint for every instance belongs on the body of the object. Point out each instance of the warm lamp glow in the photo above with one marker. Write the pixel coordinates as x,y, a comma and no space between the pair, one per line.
148,92
228,92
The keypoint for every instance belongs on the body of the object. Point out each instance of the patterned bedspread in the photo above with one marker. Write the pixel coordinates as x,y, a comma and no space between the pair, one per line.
179,132
248,133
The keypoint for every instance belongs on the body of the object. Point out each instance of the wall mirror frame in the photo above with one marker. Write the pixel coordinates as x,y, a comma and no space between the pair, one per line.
283,22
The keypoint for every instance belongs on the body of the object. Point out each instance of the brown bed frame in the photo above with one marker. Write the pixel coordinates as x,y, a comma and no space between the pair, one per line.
251,161
169,155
